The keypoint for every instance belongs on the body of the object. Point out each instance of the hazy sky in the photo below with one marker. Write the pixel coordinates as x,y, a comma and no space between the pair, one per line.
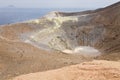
57,3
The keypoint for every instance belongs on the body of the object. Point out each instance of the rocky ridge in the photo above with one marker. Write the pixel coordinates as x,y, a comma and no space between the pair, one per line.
61,31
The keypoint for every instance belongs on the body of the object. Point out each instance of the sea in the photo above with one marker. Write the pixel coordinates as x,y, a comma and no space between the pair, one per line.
13,15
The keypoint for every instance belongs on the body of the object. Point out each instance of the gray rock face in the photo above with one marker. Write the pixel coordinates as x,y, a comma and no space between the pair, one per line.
99,29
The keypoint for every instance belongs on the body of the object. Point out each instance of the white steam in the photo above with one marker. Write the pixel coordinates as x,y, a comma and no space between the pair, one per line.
83,50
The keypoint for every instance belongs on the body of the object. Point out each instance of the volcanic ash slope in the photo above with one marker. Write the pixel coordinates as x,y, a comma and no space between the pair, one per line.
96,70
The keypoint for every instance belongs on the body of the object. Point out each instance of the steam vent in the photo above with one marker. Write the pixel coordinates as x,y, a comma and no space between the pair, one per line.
61,39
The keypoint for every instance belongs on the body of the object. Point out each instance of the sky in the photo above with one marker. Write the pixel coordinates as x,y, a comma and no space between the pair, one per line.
57,3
